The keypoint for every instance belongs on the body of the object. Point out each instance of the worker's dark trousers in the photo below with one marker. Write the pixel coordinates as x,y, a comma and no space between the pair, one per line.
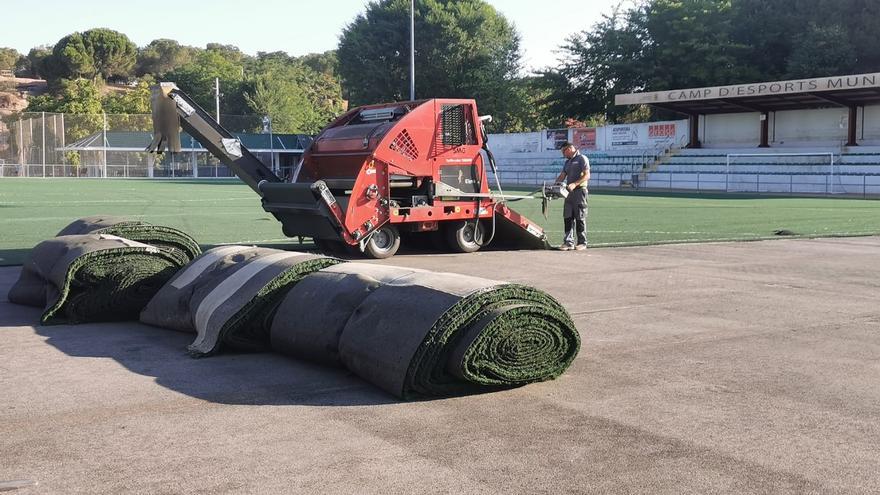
575,216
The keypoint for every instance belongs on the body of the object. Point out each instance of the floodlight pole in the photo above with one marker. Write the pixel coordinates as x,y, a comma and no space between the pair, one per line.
217,97
412,49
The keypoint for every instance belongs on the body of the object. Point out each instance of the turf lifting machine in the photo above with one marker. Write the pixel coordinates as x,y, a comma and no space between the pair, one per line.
377,173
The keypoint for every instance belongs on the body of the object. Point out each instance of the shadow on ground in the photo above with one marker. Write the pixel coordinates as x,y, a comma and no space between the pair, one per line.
253,379
13,257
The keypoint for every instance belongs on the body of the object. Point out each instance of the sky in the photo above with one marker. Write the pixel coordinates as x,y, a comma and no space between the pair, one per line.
295,26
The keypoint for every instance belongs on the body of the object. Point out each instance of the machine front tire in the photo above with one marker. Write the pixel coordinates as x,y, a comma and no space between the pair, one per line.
384,243
465,236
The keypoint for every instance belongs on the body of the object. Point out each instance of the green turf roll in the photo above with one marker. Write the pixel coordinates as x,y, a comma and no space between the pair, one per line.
92,278
175,242
416,333
229,294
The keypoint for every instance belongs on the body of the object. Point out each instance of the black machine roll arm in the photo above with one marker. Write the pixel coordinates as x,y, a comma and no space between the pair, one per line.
173,109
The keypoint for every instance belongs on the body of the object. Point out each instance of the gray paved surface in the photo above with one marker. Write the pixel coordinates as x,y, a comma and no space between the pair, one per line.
737,368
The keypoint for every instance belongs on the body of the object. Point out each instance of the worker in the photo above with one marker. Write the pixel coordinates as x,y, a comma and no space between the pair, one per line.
575,173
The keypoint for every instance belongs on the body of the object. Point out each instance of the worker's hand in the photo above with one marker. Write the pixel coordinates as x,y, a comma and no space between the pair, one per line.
571,186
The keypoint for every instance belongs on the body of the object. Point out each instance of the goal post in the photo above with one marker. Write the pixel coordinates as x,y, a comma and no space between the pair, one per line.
808,173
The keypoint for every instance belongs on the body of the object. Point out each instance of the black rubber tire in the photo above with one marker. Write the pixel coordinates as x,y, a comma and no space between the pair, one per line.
384,242
464,236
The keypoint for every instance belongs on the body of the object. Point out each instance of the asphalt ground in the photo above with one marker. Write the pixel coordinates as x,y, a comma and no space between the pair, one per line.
705,368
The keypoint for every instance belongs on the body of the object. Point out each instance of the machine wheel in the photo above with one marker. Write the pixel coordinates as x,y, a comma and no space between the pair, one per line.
383,243
465,236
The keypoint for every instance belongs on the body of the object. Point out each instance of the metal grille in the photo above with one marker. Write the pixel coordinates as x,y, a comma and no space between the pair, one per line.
453,125
404,145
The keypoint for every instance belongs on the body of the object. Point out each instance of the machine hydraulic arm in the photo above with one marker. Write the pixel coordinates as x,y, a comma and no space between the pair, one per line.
173,109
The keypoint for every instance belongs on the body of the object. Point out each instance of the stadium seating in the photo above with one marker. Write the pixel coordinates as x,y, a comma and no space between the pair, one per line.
784,170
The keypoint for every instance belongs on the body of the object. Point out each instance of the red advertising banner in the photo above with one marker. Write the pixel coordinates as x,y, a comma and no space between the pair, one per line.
584,139
656,131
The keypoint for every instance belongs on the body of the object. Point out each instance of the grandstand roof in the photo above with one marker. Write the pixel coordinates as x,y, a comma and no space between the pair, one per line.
138,141
844,91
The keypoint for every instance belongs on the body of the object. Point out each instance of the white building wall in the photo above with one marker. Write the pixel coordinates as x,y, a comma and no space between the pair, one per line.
869,133
796,128
822,127
731,130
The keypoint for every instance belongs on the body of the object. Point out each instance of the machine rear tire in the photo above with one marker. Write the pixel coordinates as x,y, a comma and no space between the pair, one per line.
384,242
464,236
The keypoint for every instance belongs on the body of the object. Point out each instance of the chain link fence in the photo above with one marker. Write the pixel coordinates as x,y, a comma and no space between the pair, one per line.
43,144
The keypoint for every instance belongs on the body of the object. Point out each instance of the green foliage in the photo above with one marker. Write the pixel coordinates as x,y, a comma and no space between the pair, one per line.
8,58
197,79
821,51
596,65
71,59
81,96
296,98
464,49
34,63
113,53
135,101
162,56
91,54
322,63
663,44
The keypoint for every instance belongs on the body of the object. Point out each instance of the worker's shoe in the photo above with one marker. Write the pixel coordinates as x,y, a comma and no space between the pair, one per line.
580,247
566,247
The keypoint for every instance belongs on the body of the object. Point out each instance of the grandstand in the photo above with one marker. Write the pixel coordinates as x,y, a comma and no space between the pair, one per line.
821,170
803,137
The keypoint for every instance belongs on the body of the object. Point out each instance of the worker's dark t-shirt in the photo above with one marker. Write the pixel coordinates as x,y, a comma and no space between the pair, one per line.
575,167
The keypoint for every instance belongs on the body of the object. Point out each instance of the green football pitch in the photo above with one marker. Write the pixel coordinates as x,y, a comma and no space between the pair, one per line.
216,212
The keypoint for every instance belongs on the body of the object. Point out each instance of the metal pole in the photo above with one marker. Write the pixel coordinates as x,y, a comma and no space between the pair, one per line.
63,145
271,147
44,144
21,148
104,147
412,49
217,97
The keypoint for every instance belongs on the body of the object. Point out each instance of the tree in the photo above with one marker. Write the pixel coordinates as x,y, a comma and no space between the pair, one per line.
821,51
8,58
322,63
71,59
161,56
134,101
464,49
114,55
296,98
34,63
81,96
595,65
691,44
667,44
197,80
90,54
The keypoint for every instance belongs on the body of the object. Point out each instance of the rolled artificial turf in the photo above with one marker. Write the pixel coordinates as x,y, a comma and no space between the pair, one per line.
416,333
92,278
228,296
174,242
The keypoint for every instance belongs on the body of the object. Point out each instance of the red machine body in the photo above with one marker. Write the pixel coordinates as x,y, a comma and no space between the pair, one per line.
388,168
374,173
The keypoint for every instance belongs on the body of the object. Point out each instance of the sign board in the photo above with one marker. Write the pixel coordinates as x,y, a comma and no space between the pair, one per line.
513,143
554,139
624,135
817,84
584,138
